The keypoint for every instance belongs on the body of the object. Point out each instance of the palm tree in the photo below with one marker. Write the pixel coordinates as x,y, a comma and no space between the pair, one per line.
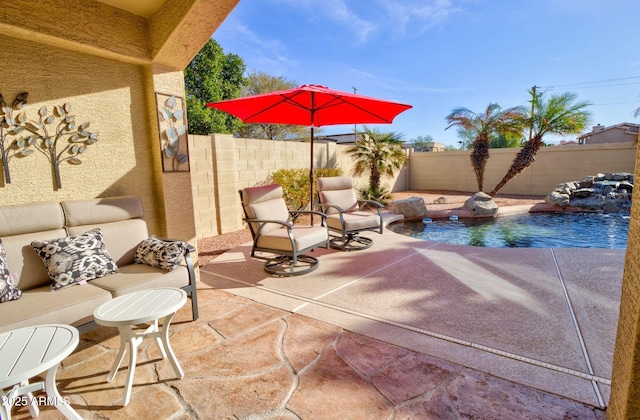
379,153
483,127
559,115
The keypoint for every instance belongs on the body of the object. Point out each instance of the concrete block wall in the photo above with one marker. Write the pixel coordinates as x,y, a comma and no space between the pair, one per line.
452,170
221,165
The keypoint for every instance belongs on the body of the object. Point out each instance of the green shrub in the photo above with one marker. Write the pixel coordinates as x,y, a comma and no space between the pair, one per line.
295,184
379,194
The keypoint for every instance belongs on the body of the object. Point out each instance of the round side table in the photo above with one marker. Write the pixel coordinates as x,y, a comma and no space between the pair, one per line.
27,352
136,308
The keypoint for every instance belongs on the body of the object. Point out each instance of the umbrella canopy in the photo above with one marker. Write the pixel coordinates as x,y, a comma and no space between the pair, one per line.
313,106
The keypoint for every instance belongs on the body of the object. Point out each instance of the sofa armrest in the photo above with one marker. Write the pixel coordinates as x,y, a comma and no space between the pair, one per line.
191,289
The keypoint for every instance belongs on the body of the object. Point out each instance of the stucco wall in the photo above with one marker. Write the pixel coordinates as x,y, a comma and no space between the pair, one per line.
553,165
113,97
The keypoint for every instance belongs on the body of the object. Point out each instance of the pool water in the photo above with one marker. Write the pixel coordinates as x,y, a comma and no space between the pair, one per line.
532,230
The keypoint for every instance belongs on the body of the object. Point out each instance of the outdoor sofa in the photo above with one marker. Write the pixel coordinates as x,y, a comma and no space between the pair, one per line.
133,260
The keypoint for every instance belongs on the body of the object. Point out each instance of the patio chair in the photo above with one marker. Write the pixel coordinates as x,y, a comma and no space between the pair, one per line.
345,214
275,237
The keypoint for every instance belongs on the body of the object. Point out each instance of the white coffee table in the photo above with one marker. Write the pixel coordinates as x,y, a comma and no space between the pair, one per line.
138,308
27,352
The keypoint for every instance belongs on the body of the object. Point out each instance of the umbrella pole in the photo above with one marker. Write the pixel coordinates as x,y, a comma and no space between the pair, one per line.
311,178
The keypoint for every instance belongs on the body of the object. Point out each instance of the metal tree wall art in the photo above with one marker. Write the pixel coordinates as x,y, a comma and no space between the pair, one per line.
64,141
12,125
173,133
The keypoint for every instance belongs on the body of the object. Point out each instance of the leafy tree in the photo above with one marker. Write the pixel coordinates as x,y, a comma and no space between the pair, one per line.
559,115
483,126
210,77
379,154
258,83
422,141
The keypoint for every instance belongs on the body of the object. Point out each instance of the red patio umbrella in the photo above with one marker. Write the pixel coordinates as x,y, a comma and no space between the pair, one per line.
313,106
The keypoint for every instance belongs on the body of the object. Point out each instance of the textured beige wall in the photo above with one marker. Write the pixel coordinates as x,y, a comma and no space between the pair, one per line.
108,94
553,165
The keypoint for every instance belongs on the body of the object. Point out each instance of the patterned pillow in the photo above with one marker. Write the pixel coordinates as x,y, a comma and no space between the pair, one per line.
8,288
75,259
160,253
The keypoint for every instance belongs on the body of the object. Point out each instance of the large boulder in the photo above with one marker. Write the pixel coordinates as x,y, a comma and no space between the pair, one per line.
411,207
481,204
558,199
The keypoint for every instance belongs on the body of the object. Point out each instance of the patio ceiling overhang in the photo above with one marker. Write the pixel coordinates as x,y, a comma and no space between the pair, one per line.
167,33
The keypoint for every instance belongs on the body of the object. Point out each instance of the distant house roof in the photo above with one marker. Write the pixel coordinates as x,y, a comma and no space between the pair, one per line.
619,133
340,138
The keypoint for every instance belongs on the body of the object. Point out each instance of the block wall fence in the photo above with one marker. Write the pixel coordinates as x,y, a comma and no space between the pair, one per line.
221,165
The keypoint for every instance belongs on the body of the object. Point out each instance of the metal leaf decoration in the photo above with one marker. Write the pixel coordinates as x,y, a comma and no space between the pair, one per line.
13,125
65,141
173,132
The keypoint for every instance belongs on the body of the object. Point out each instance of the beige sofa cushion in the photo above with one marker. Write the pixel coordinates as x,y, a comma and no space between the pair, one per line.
119,218
23,259
139,276
73,305
32,217
101,210
121,239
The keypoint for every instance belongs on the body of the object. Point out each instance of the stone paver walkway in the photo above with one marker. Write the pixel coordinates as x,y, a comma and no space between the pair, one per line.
243,359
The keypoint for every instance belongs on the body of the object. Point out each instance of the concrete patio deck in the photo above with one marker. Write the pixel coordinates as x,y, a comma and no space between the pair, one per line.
405,329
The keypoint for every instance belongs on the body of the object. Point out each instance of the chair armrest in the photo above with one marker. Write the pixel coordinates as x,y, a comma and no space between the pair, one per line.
319,213
372,202
340,209
263,221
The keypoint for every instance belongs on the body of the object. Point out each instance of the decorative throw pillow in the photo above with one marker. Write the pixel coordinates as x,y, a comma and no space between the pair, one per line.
75,259
8,288
160,253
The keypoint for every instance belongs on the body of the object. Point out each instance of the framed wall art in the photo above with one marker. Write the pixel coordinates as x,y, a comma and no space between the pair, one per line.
172,125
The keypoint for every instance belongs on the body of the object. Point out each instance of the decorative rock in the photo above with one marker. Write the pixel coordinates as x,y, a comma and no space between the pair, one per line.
481,204
608,192
410,207
557,198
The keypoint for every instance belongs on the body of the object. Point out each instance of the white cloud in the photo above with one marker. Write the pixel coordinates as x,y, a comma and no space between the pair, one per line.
414,17
269,55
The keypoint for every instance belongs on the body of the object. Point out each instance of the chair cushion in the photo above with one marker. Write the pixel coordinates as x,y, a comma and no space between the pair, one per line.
303,236
75,259
266,203
356,220
338,191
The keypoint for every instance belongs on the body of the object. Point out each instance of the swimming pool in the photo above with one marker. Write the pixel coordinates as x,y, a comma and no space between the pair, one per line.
531,230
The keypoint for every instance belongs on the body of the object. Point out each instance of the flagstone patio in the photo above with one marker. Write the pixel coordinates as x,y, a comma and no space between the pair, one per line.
406,329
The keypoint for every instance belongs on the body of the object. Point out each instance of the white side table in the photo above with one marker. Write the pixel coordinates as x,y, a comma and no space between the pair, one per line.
137,308
27,352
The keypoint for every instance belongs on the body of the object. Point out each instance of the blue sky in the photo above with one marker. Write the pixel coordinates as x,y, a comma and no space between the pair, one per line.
441,54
